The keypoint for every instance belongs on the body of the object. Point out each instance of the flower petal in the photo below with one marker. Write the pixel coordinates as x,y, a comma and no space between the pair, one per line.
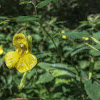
1,50
19,41
11,58
26,63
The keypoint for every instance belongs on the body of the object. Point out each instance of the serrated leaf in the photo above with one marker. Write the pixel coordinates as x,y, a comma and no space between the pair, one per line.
26,19
43,3
45,78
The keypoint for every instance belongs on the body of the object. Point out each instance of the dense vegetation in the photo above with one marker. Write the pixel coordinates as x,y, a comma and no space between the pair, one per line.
66,42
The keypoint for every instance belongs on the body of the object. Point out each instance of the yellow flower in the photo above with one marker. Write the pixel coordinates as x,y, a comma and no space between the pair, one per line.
21,58
62,31
85,38
1,50
63,36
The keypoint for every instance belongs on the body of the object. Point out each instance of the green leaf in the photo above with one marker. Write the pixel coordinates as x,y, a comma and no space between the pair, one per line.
31,73
75,35
43,3
97,35
77,50
45,78
1,60
45,66
67,48
26,19
42,55
2,36
59,66
95,53
83,64
97,65
92,89
9,79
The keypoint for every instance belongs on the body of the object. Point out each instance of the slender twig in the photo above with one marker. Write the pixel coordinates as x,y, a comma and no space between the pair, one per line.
48,35
92,47
43,27
20,30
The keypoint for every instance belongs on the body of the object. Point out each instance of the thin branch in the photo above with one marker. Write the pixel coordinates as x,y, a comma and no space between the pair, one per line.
19,30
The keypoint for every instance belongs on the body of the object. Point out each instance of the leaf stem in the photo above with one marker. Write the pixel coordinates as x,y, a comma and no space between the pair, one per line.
22,83
43,27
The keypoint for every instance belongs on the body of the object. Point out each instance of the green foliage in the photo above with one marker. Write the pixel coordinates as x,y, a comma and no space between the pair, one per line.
92,89
76,35
45,78
43,3
67,69
26,19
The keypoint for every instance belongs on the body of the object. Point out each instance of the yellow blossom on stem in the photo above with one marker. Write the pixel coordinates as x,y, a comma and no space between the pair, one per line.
21,58
63,36
85,38
1,50
62,31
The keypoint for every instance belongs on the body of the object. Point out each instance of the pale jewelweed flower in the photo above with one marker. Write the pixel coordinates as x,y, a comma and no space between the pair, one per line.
21,58
85,38
1,50
63,36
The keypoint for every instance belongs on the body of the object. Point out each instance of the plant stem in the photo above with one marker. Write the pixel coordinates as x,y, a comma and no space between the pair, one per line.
43,27
91,68
22,83
92,47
